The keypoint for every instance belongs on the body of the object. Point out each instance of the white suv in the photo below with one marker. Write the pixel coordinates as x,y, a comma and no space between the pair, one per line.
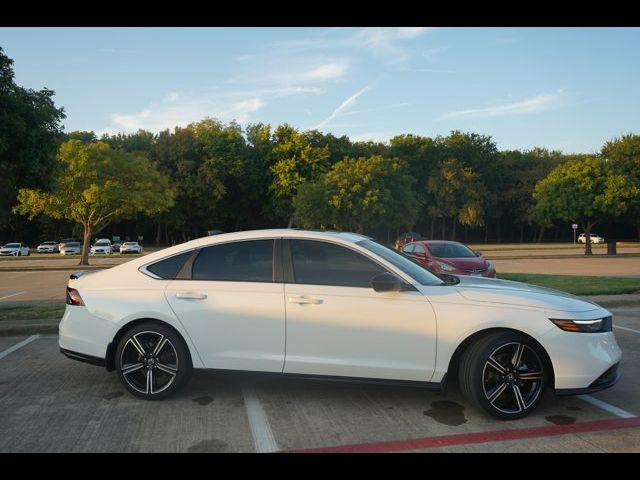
582,238
103,245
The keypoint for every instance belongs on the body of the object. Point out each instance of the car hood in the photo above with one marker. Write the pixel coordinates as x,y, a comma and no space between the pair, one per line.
464,263
508,292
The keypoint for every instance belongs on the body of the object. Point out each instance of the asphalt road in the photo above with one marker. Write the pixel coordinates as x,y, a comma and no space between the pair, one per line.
49,403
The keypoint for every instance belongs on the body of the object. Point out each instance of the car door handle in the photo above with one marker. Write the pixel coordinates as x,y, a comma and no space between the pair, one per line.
191,295
305,300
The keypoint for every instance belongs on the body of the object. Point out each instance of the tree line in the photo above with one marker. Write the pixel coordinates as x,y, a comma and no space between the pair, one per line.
179,184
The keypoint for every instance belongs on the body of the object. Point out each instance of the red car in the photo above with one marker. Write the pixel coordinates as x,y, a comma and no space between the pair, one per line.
452,258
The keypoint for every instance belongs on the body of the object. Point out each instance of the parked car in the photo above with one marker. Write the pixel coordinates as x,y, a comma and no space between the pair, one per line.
582,238
15,249
405,238
130,247
102,245
65,240
453,258
115,246
333,305
47,247
71,248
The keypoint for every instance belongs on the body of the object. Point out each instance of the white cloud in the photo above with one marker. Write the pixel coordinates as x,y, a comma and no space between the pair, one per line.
348,103
385,41
382,137
180,109
535,104
327,71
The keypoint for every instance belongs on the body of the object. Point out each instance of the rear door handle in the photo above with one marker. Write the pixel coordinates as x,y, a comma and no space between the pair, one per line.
191,295
305,300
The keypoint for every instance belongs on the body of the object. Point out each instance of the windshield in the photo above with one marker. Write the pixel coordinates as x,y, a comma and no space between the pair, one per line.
415,271
72,244
129,244
12,245
450,250
48,243
102,244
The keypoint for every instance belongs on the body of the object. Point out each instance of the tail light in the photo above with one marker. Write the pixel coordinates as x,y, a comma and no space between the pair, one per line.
73,297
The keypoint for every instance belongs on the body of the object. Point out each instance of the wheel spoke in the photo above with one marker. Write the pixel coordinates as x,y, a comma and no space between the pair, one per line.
492,362
159,345
496,392
136,344
131,368
517,356
530,376
518,396
149,381
166,369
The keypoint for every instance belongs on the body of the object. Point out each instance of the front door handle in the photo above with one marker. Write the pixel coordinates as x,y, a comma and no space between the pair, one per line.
191,295
305,300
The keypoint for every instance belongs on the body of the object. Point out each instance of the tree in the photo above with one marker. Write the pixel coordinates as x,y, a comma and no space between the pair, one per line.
30,133
623,154
296,161
96,185
584,189
359,193
459,195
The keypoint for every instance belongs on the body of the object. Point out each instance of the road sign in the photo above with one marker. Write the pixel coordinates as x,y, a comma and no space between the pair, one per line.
574,226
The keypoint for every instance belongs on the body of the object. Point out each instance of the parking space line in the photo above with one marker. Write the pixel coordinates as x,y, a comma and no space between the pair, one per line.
478,437
627,329
263,438
13,295
17,346
607,407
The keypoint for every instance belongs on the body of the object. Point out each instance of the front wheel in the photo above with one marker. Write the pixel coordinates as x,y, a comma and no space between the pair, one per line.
152,361
504,374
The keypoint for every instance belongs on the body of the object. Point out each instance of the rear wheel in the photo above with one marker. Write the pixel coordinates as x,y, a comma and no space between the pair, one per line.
152,361
504,374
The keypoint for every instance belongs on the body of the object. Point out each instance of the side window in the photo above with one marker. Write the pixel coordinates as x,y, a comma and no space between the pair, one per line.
322,263
169,267
250,261
418,249
408,249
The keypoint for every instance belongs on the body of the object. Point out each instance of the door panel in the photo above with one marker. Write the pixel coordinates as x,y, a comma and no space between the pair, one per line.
234,325
338,325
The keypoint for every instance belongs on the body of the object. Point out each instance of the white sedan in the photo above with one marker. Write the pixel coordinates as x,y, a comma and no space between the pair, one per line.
582,238
333,305
130,247
15,250
47,247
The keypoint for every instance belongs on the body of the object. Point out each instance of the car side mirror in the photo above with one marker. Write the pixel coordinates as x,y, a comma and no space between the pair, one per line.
387,282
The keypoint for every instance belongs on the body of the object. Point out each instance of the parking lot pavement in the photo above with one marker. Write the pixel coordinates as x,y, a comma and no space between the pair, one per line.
620,266
49,403
33,286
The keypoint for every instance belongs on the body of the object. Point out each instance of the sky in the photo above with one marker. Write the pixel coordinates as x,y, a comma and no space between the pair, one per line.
569,89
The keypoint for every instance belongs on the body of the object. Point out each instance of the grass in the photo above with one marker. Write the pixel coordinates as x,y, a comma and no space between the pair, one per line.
31,312
578,285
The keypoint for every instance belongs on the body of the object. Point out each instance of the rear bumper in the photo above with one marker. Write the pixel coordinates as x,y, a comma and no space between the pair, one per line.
81,357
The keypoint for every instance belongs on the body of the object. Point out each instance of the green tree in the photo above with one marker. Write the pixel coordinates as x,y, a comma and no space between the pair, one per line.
296,161
584,189
623,154
96,185
30,133
459,195
359,193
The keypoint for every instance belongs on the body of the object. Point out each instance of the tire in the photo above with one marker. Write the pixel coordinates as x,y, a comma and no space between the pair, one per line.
167,369
496,380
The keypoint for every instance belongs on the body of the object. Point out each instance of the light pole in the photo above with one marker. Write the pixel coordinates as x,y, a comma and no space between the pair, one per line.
575,227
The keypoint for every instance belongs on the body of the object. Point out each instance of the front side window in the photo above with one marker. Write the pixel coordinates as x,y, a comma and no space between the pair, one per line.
409,248
323,263
419,249
249,261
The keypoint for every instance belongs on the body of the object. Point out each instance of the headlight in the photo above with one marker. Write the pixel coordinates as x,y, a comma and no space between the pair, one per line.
446,267
490,265
603,324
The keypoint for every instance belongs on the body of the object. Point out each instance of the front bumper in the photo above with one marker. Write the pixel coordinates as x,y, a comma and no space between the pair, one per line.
9,254
606,380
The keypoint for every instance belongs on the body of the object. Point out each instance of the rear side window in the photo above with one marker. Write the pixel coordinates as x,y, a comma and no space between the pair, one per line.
250,261
169,267
322,263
